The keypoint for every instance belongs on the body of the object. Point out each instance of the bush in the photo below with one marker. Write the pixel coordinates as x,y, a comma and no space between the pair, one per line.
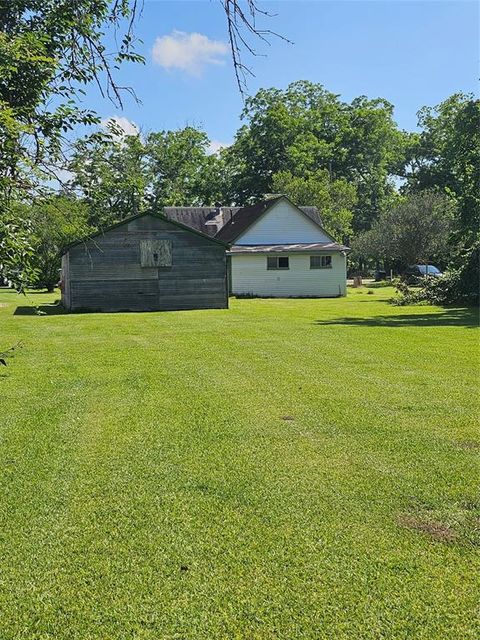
459,285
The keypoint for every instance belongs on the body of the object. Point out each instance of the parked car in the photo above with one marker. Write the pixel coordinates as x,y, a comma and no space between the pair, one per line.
379,275
417,271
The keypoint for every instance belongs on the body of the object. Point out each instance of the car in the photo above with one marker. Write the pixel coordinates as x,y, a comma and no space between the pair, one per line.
417,271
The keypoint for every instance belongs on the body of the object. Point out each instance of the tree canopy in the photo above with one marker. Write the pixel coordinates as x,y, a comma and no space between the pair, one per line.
446,155
304,129
416,230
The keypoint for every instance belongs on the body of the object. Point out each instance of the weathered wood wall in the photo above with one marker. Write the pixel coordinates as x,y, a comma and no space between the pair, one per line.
106,272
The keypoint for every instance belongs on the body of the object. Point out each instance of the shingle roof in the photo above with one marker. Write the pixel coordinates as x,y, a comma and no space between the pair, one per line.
208,220
290,248
227,221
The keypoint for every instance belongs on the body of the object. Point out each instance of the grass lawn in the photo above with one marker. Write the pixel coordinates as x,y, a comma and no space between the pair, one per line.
282,469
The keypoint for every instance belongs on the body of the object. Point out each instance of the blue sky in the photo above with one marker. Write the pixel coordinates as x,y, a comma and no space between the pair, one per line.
411,53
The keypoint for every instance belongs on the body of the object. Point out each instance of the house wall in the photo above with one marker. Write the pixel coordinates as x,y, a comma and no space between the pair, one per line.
65,281
251,277
105,273
283,224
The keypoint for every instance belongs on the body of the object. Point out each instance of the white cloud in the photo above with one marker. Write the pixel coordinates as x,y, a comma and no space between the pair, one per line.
120,124
190,52
215,146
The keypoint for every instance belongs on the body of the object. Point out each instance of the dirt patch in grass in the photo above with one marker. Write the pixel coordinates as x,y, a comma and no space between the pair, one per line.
453,521
288,418
435,529
467,444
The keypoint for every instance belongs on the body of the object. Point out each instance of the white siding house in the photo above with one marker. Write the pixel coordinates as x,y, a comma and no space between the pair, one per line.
251,276
283,223
278,250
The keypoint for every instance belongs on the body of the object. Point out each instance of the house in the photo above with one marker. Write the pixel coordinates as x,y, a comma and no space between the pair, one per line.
147,262
278,248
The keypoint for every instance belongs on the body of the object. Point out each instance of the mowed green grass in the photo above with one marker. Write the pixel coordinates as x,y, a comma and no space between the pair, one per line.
282,469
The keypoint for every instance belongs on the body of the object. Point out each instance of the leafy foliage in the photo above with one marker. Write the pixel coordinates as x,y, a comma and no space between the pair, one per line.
334,198
459,285
306,128
180,169
49,50
416,230
16,250
446,155
56,222
122,176
110,174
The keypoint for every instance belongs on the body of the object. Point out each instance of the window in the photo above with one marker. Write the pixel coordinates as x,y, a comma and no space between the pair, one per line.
431,269
274,262
320,262
156,253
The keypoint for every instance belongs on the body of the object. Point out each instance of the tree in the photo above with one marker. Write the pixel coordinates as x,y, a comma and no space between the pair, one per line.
335,199
415,231
121,176
48,51
180,169
306,128
56,222
111,175
446,156
15,249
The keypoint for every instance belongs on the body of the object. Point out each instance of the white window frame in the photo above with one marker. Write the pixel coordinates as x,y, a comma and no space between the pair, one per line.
322,262
277,259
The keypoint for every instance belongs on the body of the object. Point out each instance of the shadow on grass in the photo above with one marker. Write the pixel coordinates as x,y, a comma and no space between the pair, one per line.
448,318
40,310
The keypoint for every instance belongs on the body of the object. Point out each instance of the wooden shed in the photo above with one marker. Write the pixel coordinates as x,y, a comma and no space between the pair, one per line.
145,263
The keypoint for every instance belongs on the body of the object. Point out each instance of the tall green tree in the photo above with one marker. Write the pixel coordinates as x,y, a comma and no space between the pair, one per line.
180,169
446,156
55,222
49,50
122,175
416,230
335,199
306,128
111,175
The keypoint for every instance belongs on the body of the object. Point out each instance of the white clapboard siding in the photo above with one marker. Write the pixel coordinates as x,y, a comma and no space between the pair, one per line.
283,224
250,276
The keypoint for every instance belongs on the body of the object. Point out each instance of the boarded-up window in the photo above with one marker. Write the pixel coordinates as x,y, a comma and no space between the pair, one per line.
156,253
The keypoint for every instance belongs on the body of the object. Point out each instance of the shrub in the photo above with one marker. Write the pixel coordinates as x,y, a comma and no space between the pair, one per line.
459,285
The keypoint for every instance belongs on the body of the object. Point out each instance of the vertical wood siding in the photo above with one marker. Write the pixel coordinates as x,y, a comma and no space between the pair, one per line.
65,282
251,277
106,272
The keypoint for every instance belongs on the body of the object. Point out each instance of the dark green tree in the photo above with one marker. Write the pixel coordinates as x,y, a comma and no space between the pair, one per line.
181,172
446,156
119,175
416,230
49,50
56,222
111,174
306,128
335,199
